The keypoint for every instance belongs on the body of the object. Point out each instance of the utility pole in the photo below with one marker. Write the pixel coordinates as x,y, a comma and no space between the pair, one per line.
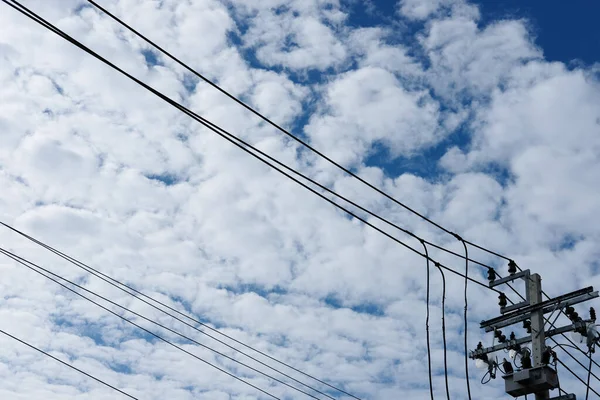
537,377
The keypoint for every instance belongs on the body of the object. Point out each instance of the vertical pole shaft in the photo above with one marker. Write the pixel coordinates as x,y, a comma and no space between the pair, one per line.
538,339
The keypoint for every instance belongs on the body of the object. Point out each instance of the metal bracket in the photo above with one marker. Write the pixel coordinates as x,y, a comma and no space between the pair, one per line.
531,380
523,274
547,306
552,332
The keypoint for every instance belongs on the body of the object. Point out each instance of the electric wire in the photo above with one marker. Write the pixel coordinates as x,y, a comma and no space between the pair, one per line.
283,130
381,192
576,376
68,365
552,325
276,161
444,329
427,320
587,392
560,311
141,296
60,33
13,256
223,133
46,273
465,316
133,292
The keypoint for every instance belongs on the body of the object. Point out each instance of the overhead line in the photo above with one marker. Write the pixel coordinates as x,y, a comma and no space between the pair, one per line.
561,311
576,376
283,130
465,317
427,322
218,130
68,365
444,330
140,296
36,268
552,325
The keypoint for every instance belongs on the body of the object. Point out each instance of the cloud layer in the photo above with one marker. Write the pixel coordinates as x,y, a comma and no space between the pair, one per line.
101,169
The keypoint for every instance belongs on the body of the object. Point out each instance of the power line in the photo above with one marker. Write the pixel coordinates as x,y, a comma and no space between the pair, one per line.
576,376
36,268
587,392
427,322
464,241
283,130
141,296
14,257
552,325
561,311
68,365
444,329
223,133
296,172
465,316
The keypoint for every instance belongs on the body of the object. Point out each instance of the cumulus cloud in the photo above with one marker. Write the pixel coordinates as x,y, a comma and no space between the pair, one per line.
96,166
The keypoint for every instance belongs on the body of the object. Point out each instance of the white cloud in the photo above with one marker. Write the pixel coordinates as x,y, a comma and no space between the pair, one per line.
96,166
424,9
370,105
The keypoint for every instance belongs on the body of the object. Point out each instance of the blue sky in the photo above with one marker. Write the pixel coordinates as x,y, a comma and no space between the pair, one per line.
566,31
472,113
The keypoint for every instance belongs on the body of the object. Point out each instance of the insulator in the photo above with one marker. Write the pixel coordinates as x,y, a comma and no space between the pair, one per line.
592,314
527,325
491,274
498,333
502,300
507,366
546,356
526,360
479,346
512,267
502,339
574,317
512,336
569,310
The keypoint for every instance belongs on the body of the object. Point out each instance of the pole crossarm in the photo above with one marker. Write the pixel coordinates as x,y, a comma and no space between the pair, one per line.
547,306
511,343
523,274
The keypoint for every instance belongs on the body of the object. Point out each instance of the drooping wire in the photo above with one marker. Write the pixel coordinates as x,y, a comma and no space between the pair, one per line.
48,275
562,346
587,391
576,376
236,141
283,130
470,243
427,320
465,315
444,330
141,296
552,325
68,365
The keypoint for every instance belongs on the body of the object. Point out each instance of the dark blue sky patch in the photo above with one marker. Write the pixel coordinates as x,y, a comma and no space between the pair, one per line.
366,308
58,88
565,31
190,82
424,164
165,179
80,7
260,290
567,242
121,368
151,57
